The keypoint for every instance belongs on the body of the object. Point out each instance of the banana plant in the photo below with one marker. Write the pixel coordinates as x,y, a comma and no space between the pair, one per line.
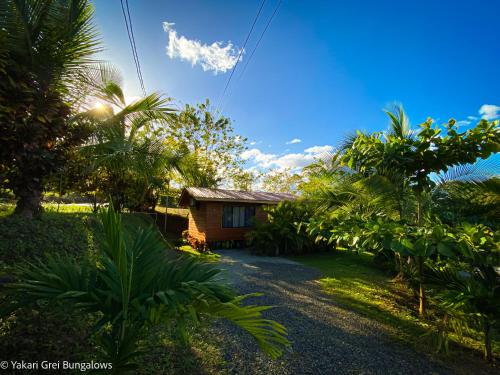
133,286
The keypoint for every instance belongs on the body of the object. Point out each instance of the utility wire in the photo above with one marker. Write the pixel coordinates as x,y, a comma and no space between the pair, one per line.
241,53
130,33
260,38
135,48
258,42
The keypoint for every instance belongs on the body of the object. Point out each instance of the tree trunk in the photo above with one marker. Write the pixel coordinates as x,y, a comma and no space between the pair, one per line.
421,291
29,202
94,202
419,209
399,266
488,353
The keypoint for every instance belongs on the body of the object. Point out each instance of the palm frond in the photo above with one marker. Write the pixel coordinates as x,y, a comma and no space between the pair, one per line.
136,284
399,125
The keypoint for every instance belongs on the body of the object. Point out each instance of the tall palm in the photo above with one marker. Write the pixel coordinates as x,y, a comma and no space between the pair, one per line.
124,145
45,45
134,285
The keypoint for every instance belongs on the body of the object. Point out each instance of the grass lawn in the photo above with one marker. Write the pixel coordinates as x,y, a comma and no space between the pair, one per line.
173,211
354,282
204,256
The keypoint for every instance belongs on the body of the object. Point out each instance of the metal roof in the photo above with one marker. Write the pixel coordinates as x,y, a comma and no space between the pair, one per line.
222,195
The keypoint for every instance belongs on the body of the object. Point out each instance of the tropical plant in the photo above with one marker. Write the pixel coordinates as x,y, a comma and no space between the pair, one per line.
131,160
468,193
45,46
209,137
469,282
244,179
285,231
135,285
413,158
280,181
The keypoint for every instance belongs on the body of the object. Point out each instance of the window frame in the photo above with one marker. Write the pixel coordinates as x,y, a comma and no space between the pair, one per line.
249,212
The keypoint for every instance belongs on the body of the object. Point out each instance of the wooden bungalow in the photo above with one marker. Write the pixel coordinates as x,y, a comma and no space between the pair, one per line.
220,218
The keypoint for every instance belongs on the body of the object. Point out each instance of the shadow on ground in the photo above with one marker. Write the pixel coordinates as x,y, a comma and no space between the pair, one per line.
326,338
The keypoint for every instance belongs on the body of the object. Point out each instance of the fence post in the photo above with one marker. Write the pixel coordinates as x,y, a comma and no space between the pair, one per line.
166,215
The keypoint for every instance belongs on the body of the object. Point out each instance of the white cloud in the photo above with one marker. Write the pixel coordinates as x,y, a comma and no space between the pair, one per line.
218,56
463,122
489,111
293,141
472,118
253,143
293,161
258,156
319,149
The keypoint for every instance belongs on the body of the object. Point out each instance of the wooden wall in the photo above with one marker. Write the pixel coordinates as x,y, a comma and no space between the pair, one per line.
214,229
205,223
197,221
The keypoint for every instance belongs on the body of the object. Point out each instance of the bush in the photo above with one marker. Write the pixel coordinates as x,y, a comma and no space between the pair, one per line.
52,233
285,231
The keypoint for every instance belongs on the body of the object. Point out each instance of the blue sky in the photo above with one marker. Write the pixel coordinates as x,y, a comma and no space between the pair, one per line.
323,68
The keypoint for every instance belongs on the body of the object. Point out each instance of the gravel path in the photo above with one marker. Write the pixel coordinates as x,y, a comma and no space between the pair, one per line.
326,339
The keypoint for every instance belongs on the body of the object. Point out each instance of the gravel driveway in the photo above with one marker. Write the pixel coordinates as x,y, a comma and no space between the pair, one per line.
326,339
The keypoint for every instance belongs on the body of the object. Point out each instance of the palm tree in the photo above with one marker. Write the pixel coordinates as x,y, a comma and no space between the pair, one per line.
44,48
469,192
134,285
133,161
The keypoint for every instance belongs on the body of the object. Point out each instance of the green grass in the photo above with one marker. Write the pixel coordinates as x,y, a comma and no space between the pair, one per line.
8,208
173,211
165,356
356,284
205,256
48,331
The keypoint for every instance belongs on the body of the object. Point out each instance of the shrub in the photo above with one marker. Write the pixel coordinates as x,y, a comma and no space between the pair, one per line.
285,231
135,286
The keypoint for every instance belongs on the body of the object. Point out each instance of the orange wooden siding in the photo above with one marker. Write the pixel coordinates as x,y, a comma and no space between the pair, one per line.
197,222
205,222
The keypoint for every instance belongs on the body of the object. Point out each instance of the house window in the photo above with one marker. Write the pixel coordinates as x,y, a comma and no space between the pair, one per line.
238,216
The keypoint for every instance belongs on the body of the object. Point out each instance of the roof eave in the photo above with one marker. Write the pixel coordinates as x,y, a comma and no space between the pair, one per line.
229,200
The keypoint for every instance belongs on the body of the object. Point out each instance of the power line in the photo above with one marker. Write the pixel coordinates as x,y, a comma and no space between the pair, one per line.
130,33
135,48
241,52
261,36
258,41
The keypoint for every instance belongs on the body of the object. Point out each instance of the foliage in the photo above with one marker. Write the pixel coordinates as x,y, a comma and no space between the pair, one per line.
45,46
386,192
129,162
215,149
428,151
319,175
412,159
244,180
46,332
280,181
284,232
135,286
52,233
469,283
476,201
